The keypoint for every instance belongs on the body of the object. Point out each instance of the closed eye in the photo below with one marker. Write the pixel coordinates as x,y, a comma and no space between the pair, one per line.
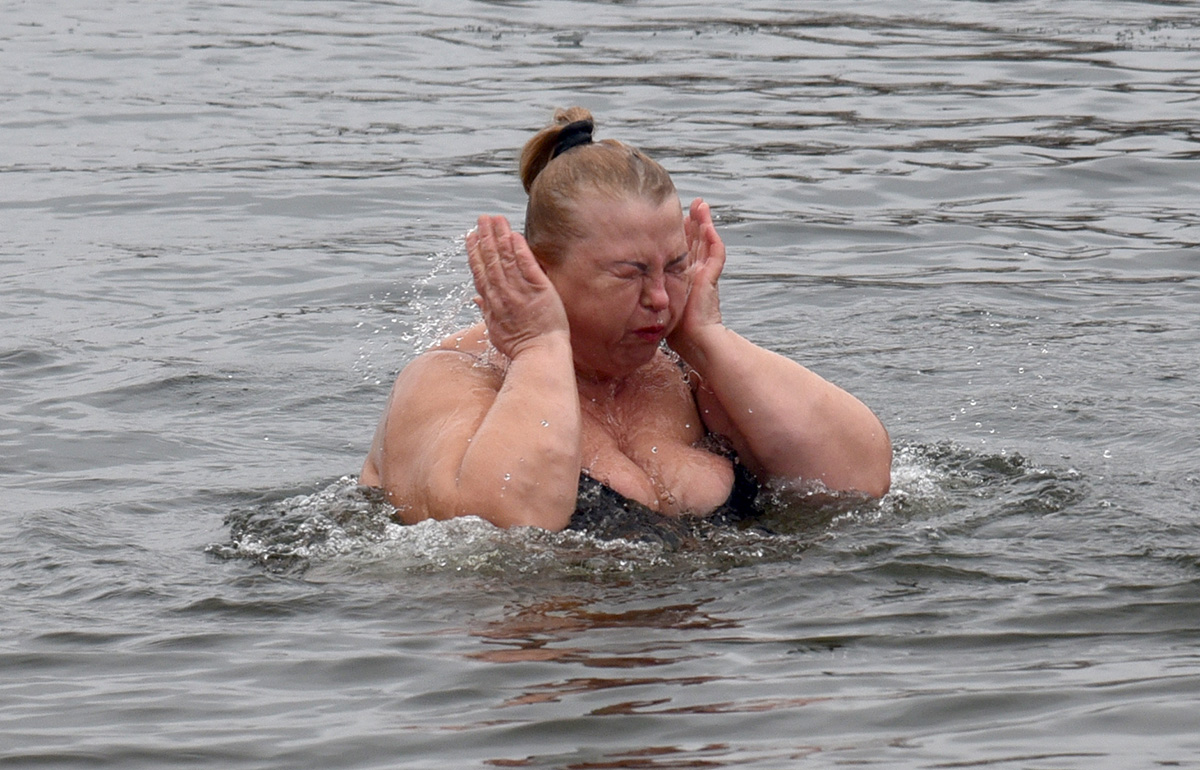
630,270
679,265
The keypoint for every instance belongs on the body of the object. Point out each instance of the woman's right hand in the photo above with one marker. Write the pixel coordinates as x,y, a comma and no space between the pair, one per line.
520,305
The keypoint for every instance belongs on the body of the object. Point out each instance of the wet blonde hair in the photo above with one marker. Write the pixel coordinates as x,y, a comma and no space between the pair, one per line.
555,183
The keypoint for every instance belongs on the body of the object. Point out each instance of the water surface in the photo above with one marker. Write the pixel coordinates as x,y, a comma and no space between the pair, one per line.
224,228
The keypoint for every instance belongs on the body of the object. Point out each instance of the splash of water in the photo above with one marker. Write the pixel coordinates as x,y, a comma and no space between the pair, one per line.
346,528
418,315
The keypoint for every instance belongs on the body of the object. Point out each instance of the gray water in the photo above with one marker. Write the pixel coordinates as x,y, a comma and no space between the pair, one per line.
224,228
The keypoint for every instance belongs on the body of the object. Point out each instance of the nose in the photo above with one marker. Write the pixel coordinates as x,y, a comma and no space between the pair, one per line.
654,293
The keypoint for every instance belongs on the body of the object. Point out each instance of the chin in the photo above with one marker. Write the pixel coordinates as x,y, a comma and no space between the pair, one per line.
644,358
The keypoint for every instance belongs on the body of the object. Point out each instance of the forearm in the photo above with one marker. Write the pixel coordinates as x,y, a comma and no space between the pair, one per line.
793,423
522,465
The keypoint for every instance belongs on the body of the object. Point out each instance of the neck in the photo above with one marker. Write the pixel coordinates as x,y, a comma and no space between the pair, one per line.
599,386
609,376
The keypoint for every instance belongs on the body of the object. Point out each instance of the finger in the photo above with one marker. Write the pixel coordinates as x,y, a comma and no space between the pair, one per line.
479,253
489,251
478,237
707,246
716,255
498,227
531,270
698,216
500,224
697,243
486,268
474,259
508,248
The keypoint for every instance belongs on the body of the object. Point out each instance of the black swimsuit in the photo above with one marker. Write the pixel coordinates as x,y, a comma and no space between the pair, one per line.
602,511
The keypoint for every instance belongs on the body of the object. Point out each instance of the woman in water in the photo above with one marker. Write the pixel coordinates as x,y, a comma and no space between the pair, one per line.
564,388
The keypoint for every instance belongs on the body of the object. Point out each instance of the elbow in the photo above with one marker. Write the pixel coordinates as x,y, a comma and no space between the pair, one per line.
865,470
534,499
533,505
553,521
878,484
512,509
507,514
876,478
866,481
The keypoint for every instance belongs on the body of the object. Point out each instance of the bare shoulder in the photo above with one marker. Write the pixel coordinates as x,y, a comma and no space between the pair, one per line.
443,377
472,341
440,397
457,368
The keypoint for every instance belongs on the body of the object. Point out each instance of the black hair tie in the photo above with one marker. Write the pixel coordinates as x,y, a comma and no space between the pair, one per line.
572,135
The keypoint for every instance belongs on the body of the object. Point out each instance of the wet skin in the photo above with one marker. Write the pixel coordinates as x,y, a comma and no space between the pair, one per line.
566,373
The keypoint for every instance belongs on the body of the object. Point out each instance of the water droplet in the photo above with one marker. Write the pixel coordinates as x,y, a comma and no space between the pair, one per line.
687,425
749,411
508,477
654,450
545,424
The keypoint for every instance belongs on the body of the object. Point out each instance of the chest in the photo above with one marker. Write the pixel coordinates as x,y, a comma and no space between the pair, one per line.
647,446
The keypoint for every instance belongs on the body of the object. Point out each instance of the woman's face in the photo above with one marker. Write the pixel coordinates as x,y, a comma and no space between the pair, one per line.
624,282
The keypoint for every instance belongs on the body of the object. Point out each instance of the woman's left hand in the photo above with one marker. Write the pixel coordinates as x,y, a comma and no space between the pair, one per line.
707,251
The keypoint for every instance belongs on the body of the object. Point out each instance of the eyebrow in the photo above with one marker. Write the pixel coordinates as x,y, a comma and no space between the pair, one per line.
645,265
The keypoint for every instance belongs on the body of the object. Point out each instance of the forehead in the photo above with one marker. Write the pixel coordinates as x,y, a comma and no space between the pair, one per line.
628,228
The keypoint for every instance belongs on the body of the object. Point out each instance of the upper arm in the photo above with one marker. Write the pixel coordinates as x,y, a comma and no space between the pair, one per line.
436,406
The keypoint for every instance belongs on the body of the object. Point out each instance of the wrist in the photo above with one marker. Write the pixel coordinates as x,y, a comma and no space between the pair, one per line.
697,345
551,344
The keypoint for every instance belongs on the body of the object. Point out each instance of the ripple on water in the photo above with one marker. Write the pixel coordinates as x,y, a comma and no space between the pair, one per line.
939,491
